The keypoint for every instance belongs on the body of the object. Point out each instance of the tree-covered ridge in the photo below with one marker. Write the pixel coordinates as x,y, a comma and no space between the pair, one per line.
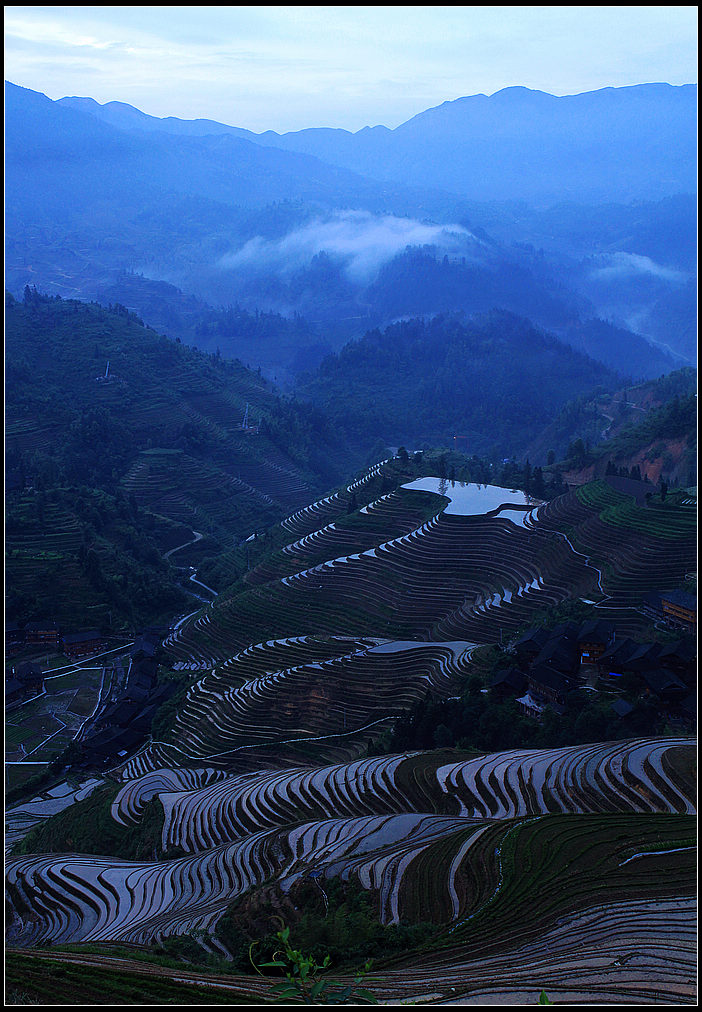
120,443
496,380
650,433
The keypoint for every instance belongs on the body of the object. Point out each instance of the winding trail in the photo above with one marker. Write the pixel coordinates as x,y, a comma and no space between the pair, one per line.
193,541
197,536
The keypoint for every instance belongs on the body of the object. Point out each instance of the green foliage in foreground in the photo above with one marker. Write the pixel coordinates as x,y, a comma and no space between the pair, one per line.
556,865
330,918
305,983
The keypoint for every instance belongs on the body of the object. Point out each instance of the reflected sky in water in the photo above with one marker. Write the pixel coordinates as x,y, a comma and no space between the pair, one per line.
471,499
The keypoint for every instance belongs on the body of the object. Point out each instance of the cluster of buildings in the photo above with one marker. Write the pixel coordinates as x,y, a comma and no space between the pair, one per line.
675,608
47,635
125,722
551,663
25,681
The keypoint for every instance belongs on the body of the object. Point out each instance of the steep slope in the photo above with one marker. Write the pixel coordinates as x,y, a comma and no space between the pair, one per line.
262,796
119,445
495,380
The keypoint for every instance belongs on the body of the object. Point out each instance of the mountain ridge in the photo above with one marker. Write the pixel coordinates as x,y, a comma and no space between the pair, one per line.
581,119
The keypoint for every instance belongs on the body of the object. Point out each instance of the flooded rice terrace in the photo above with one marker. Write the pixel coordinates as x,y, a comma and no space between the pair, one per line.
471,499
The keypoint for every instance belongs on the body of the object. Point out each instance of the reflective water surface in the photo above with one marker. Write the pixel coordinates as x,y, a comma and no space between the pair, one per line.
471,499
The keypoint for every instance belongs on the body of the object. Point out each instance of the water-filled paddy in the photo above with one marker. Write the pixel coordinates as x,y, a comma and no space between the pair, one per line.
471,499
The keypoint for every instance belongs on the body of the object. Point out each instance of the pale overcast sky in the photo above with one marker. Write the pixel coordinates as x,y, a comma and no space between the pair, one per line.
285,68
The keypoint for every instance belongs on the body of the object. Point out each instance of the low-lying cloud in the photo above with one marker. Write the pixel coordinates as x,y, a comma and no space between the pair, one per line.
618,265
363,242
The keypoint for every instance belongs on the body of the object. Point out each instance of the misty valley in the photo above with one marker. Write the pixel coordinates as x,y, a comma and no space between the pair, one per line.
350,554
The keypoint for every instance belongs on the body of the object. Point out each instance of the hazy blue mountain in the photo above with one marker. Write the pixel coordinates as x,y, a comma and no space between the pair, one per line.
60,161
234,219
614,144
127,117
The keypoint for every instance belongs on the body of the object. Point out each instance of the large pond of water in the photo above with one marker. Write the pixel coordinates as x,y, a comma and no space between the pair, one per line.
469,499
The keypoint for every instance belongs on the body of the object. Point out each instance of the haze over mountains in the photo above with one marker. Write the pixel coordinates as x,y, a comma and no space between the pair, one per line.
612,145
567,211
393,650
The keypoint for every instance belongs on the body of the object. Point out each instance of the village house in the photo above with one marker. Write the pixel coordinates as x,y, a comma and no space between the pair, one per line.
680,610
547,684
528,646
508,682
676,608
24,682
82,644
593,639
43,634
14,637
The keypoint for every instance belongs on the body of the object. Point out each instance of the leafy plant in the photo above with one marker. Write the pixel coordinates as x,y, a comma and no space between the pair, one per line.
304,981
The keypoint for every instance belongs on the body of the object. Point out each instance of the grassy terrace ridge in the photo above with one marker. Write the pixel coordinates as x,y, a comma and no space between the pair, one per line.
264,559
462,578
557,865
87,827
351,533
667,520
520,881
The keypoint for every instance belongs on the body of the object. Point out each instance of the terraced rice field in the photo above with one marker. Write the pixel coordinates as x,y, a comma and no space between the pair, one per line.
449,576
569,869
277,701
411,830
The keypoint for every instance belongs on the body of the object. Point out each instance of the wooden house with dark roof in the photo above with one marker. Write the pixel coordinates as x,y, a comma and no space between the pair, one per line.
15,691
680,609
622,708
545,682
613,662
14,637
144,646
593,639
118,714
31,676
528,646
508,683
105,746
664,685
560,653
44,633
687,711
681,658
565,631
645,658
24,682
82,644
530,707
651,606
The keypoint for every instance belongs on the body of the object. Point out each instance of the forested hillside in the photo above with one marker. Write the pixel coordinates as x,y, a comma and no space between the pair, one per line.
495,381
120,444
